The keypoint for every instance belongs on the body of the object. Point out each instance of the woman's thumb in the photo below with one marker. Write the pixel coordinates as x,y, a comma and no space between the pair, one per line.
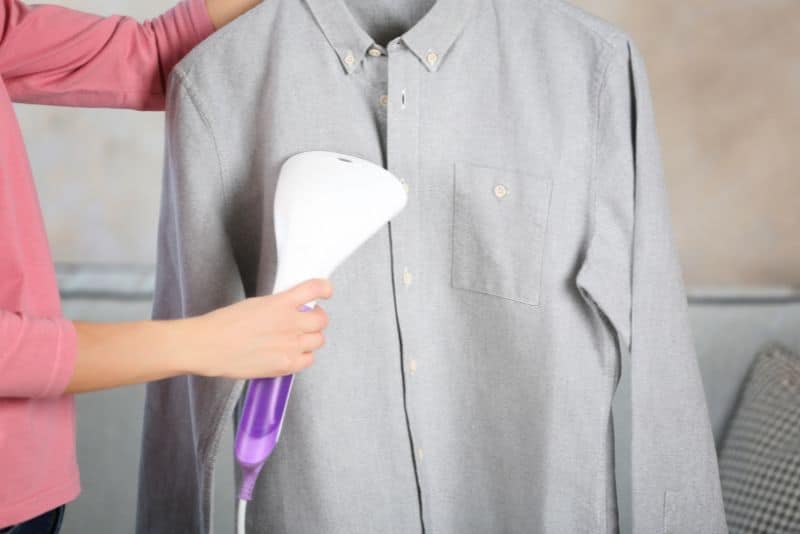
313,289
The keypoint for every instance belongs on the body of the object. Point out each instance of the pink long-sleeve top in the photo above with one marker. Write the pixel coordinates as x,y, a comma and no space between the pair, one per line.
53,55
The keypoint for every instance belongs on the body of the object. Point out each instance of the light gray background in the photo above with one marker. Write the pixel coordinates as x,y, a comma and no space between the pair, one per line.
725,76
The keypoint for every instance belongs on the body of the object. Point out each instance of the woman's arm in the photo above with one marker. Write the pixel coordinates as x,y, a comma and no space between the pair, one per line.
55,55
263,336
222,12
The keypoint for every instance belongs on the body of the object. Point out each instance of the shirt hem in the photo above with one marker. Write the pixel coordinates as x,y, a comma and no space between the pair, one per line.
41,502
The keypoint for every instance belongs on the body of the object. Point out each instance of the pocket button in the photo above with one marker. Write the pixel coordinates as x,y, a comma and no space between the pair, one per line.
499,226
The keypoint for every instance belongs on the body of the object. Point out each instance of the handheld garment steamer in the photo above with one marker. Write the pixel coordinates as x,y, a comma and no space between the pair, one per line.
326,206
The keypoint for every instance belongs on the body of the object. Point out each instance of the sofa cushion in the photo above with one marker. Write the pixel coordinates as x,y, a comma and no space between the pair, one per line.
760,455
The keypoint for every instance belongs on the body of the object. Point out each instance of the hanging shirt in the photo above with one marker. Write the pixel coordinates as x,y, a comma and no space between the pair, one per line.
475,342
52,55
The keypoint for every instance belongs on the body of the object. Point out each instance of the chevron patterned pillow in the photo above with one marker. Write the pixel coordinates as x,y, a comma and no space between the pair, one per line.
760,455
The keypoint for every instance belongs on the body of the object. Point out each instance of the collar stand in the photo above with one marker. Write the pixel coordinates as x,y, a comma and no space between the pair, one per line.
429,39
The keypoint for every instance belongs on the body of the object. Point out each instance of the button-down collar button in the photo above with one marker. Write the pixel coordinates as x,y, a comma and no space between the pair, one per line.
350,59
407,277
383,100
374,52
432,58
500,191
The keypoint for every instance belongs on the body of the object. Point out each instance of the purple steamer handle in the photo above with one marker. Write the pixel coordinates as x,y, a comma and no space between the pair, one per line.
260,425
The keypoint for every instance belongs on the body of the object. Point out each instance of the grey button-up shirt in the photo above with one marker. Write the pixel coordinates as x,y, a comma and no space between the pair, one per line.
475,342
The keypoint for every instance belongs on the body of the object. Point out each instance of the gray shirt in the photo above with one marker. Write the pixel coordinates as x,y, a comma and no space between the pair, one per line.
477,341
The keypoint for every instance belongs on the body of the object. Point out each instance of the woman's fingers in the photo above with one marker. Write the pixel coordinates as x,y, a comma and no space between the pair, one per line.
313,321
303,361
261,336
311,342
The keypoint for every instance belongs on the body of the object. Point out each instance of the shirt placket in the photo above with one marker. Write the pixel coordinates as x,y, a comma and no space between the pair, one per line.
402,159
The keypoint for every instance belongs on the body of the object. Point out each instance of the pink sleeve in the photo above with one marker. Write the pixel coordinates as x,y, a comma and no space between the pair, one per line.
55,55
37,356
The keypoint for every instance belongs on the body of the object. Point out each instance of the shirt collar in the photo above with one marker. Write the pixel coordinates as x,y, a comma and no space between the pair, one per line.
429,39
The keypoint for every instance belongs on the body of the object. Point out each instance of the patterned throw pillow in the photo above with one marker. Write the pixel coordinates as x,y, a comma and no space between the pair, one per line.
760,456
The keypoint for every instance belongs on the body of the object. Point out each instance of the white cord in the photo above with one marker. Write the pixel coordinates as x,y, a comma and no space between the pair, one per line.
240,529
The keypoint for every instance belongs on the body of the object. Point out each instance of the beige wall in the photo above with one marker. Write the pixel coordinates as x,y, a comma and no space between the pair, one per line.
726,83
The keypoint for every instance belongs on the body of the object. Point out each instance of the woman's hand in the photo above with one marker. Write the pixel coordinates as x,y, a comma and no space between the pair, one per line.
222,12
263,336
258,337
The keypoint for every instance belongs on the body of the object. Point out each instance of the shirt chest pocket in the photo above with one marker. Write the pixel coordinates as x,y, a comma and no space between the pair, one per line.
499,226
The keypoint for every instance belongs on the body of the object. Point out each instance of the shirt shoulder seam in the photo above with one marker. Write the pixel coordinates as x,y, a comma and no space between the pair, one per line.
185,83
606,38
599,82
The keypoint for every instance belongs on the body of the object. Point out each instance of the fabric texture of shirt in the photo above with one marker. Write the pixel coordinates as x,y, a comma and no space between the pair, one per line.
475,342
52,55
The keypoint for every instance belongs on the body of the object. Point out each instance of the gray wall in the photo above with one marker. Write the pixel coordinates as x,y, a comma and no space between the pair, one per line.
98,171
725,78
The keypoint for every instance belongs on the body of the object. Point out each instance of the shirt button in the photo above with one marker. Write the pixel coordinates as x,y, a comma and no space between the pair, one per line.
405,185
500,191
432,58
349,58
384,99
407,277
374,52
412,366
419,453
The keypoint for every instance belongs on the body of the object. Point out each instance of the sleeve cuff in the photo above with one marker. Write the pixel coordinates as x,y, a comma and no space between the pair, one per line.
39,357
66,355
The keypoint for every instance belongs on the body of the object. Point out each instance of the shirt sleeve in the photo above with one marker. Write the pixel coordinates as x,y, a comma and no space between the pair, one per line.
194,211
196,273
37,357
632,274
55,55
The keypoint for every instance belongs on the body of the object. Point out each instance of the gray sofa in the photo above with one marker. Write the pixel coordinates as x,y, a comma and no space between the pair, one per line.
729,327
